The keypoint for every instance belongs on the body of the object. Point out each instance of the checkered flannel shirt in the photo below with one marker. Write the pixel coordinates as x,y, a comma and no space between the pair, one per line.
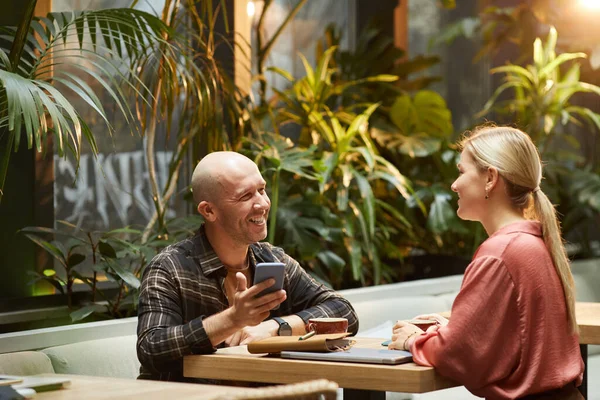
185,283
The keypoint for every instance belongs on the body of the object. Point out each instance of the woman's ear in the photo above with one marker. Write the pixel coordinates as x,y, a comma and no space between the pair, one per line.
207,211
491,179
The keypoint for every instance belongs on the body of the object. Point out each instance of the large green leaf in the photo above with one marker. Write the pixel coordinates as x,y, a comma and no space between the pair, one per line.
367,198
123,274
419,145
85,311
441,213
425,113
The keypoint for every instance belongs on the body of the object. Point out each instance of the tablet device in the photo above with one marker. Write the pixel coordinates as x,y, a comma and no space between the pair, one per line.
357,355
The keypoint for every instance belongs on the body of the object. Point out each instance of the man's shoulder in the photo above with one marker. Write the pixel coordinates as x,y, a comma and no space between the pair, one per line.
175,251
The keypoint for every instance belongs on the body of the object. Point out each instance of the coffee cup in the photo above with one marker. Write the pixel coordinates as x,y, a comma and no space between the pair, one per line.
422,323
327,325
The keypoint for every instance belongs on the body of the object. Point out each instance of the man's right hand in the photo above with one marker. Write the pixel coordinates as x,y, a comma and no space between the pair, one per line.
249,310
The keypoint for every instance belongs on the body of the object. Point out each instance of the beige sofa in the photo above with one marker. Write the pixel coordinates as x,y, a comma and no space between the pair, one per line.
111,357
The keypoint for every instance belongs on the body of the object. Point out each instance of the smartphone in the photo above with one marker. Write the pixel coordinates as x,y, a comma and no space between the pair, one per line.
386,343
267,270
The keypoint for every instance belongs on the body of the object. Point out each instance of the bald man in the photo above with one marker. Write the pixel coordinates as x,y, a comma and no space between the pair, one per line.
196,294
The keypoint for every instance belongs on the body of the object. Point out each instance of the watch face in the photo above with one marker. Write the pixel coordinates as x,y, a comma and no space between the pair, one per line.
285,329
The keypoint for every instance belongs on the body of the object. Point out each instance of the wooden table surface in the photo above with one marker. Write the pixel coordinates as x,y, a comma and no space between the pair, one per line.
101,388
588,319
235,363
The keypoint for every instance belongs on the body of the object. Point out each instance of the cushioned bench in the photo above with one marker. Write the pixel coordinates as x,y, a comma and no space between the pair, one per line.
25,363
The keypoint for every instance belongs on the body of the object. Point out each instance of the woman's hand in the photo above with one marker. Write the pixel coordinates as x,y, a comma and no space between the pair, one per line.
403,335
441,321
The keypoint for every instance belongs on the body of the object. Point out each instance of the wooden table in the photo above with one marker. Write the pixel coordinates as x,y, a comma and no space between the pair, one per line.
360,381
588,319
100,388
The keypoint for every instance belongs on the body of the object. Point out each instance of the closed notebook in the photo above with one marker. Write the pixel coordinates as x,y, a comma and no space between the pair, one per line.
38,383
317,343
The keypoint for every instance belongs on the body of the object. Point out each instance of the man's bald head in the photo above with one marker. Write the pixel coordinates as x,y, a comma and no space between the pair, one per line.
215,170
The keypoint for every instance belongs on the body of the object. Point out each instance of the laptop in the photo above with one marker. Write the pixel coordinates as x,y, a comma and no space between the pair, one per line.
357,355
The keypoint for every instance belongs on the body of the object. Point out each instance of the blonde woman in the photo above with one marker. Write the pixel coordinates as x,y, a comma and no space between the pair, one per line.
512,333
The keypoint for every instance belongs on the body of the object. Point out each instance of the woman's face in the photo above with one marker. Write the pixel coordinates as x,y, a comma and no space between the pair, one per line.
470,187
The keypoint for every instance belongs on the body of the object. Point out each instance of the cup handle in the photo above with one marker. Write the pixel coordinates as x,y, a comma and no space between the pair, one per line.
311,326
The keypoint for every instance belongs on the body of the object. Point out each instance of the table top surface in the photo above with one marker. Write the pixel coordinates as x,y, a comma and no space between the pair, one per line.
101,388
236,363
588,319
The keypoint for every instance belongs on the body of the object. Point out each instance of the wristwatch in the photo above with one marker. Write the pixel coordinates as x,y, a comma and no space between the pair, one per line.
284,328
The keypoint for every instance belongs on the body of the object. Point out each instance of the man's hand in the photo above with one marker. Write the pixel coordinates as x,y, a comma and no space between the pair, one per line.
253,333
247,310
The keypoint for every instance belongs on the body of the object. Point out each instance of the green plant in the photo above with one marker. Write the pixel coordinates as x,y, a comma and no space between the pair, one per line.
412,129
31,66
539,98
191,93
91,257
347,167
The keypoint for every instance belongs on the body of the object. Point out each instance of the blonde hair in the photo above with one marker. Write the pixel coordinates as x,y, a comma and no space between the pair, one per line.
518,162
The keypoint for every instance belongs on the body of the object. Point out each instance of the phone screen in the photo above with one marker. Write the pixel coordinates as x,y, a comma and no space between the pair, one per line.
264,271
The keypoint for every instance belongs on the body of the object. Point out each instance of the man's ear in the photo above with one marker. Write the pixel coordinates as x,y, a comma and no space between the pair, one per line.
207,211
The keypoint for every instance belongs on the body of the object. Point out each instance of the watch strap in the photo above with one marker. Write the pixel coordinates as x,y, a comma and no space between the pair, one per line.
284,327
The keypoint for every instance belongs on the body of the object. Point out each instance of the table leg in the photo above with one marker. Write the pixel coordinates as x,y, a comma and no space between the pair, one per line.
359,394
584,355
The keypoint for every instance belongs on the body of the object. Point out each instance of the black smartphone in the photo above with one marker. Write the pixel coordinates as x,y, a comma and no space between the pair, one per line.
268,270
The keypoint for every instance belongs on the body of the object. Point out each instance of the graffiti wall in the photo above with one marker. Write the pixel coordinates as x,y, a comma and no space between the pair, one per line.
108,192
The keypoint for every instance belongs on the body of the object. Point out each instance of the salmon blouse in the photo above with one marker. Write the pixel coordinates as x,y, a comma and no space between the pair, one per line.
509,334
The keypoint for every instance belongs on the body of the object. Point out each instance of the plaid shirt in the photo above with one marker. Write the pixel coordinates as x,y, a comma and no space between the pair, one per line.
185,283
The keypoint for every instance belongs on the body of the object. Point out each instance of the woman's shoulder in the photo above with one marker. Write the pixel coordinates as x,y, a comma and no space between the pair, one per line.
517,240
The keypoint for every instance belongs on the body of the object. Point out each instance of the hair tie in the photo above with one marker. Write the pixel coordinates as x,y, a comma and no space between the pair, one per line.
536,189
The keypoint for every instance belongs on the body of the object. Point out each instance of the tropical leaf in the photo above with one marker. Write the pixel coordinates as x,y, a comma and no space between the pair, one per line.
36,105
123,274
425,113
86,311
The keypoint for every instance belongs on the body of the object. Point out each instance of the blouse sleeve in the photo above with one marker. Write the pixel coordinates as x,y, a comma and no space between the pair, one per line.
480,345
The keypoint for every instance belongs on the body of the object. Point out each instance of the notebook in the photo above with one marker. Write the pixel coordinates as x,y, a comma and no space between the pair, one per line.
38,383
358,355
321,343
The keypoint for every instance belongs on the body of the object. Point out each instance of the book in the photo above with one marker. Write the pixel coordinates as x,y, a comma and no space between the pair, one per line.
317,343
38,383
10,380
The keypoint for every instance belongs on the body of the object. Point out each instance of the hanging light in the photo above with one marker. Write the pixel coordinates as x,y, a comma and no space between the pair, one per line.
590,4
250,8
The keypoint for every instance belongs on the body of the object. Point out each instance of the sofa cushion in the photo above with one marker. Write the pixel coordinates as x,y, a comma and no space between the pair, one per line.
112,357
448,299
374,312
586,274
25,363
